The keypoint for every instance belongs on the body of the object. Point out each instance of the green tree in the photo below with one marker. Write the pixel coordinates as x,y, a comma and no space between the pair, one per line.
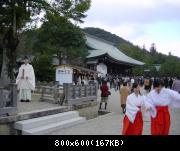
59,36
43,68
14,14
153,49
171,67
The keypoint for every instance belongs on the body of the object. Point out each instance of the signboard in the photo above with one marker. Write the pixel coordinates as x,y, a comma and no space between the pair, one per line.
102,68
64,75
158,67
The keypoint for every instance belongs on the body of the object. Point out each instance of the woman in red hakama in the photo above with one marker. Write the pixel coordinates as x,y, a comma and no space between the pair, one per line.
157,103
133,120
161,124
135,128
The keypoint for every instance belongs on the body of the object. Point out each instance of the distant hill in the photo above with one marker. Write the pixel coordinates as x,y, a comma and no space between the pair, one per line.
151,57
125,46
105,35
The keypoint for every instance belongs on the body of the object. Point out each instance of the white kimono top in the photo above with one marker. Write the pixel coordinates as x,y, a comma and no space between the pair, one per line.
132,106
166,97
29,83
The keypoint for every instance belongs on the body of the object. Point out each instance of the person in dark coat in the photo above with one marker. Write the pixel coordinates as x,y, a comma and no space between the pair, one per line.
166,82
104,94
171,83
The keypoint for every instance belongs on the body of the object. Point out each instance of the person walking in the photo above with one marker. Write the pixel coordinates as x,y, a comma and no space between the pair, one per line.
124,92
171,82
104,94
176,85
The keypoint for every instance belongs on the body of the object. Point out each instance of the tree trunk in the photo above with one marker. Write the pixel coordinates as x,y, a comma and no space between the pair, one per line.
14,43
10,43
5,80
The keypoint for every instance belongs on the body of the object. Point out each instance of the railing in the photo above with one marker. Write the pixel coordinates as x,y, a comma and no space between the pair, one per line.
69,94
40,85
8,100
77,94
52,94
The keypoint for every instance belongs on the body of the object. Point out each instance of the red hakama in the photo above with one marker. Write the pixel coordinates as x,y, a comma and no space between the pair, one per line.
135,128
161,123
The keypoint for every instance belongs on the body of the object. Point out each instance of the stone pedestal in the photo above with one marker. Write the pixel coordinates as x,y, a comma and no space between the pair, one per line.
7,129
87,109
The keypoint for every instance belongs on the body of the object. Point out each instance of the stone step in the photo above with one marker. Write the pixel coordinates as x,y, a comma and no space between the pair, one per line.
44,130
45,120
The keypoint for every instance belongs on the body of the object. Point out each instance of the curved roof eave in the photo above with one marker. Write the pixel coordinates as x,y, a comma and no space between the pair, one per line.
120,62
100,47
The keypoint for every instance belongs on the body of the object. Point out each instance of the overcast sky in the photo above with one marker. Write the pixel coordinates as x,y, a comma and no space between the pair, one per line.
139,21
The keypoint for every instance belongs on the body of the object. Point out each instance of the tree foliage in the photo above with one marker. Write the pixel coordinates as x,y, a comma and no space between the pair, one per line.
43,68
59,36
15,14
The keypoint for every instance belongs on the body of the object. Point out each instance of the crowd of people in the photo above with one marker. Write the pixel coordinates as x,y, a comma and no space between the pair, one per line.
154,94
116,81
84,79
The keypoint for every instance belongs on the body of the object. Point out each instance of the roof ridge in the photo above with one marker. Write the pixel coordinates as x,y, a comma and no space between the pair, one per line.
100,39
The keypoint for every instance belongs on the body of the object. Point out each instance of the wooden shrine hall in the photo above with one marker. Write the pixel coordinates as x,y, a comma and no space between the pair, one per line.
106,58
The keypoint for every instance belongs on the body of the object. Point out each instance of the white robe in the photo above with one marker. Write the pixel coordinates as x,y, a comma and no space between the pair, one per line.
26,83
132,106
166,97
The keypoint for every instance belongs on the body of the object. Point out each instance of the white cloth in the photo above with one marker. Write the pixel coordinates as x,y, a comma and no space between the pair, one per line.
143,91
25,94
26,83
132,106
166,97
132,81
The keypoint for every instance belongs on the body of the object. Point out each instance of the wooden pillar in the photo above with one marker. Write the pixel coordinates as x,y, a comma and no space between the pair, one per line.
74,92
14,95
66,88
42,94
96,90
2,98
85,91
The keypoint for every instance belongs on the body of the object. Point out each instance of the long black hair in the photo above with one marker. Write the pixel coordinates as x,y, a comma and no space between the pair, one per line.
157,83
135,85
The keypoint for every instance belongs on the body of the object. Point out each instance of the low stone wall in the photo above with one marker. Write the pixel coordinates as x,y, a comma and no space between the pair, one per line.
87,109
7,122
7,129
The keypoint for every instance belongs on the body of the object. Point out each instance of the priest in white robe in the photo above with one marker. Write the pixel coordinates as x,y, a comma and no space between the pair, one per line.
157,104
25,81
